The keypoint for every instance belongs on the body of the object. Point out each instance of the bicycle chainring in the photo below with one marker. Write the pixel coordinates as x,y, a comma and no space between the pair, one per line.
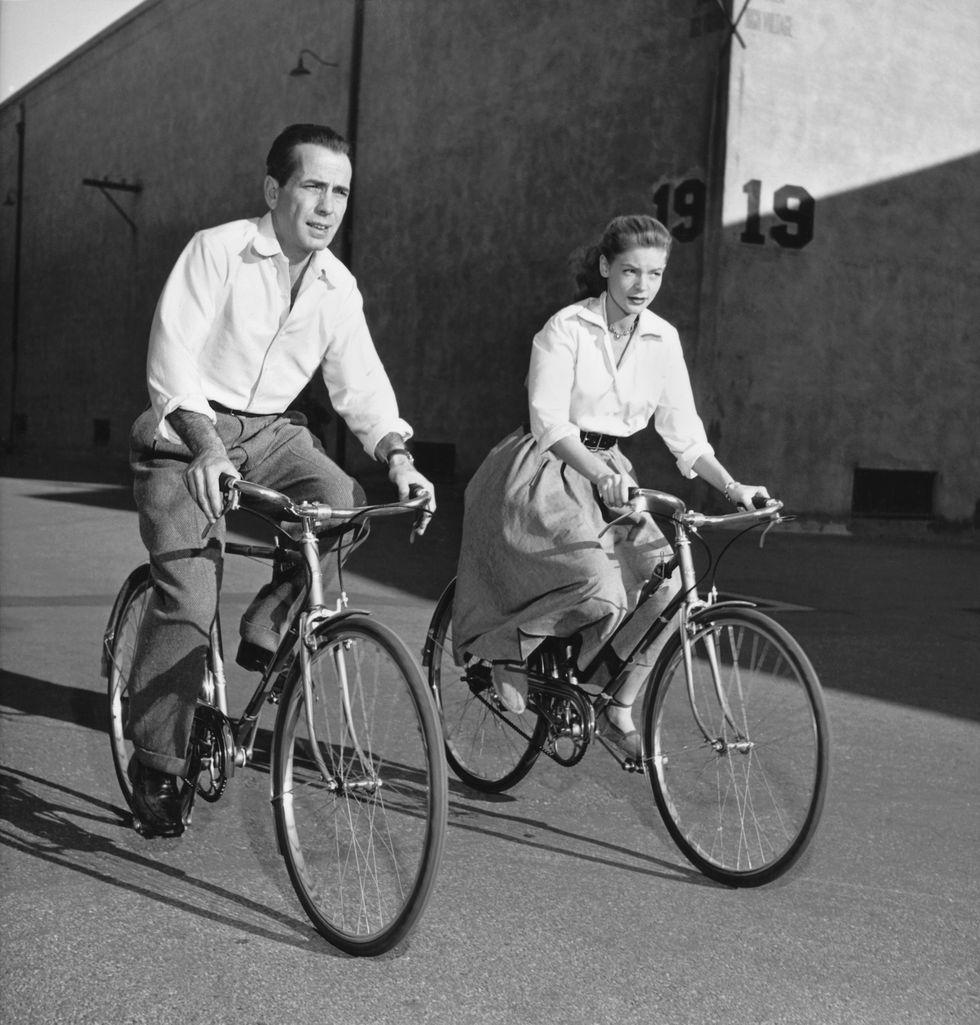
570,727
212,747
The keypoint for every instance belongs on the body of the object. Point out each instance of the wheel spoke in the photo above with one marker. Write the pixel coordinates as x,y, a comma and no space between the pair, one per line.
362,846
744,807
488,749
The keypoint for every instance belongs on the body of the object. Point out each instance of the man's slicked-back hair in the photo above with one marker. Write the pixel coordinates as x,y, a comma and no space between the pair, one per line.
281,161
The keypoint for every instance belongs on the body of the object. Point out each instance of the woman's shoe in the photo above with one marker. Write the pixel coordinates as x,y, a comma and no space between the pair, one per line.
628,742
510,697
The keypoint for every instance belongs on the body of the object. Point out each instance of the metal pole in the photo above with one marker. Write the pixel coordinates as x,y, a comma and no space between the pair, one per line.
15,314
353,112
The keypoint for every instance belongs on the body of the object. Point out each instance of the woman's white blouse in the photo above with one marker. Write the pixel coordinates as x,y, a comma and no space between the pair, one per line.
574,384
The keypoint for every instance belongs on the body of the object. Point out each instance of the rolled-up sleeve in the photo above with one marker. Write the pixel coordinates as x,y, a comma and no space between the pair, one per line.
676,417
550,381
181,324
359,388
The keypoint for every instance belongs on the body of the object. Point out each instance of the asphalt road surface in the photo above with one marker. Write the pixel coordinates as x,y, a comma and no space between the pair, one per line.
564,901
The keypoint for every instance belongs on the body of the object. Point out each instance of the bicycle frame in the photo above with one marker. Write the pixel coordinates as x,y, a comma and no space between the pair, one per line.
302,631
681,613
688,604
312,613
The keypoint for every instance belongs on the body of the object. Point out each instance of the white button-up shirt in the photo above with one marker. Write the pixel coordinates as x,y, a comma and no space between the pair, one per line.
574,384
223,330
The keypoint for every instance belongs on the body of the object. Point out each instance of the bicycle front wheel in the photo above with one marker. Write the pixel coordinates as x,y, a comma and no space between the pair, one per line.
119,652
739,758
359,787
489,748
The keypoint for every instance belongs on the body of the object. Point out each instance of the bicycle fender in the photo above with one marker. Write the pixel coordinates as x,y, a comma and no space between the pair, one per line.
430,640
731,603
135,579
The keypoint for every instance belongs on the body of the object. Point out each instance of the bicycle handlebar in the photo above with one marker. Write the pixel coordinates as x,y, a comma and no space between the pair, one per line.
260,499
648,500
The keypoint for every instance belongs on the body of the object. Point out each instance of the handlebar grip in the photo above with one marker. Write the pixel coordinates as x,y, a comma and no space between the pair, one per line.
225,481
760,501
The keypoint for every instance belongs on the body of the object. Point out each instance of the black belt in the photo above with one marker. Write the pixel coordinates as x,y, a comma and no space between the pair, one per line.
590,439
219,408
595,441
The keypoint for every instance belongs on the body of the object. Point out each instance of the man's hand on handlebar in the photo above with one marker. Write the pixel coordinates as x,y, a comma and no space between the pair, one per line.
408,480
748,496
202,480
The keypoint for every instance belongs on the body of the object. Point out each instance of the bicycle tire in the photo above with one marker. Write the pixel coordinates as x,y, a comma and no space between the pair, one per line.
487,747
744,810
363,847
119,649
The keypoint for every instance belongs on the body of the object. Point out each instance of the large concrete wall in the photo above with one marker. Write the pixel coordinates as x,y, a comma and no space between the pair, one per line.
493,138
494,143
182,98
859,347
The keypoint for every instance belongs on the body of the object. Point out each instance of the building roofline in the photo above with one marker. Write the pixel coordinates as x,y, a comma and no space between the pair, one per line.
89,44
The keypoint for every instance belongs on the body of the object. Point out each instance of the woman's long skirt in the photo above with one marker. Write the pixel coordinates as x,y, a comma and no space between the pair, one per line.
537,559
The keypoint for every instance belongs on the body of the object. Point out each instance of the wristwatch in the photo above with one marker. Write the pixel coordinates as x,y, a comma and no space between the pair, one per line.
399,452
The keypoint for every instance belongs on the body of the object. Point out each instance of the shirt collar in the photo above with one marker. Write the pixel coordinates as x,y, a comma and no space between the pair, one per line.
265,243
593,311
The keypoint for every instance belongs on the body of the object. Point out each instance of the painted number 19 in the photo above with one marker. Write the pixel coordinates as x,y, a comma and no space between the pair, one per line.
792,204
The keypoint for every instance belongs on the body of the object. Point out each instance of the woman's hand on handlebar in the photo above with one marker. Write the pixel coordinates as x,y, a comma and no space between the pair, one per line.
614,490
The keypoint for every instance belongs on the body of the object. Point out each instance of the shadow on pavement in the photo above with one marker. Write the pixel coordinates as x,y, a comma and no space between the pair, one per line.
41,698
889,618
47,829
107,497
32,696
493,824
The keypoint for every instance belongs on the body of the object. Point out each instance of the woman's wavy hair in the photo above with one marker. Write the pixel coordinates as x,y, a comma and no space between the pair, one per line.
628,231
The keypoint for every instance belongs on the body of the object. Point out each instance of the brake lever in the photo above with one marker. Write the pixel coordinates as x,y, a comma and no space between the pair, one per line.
613,523
231,503
424,517
761,502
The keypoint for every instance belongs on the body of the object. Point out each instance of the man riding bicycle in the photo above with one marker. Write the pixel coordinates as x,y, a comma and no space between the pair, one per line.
250,312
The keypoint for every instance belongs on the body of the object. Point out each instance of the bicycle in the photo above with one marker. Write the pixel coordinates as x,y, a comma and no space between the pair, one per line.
734,732
358,775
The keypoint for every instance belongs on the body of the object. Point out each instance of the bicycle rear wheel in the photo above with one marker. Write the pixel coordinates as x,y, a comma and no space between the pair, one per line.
740,790
119,650
363,840
489,748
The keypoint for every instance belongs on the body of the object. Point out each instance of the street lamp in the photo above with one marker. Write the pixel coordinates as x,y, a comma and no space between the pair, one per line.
302,69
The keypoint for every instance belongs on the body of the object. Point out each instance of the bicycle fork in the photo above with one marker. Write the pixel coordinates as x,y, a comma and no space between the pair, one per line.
690,607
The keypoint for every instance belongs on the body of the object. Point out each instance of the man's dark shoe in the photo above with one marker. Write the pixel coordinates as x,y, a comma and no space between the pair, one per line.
253,657
157,807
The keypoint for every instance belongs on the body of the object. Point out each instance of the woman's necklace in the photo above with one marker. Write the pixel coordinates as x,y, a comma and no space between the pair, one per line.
623,332
618,336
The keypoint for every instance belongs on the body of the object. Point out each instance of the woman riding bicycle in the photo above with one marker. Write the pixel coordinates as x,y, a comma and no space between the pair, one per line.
536,559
